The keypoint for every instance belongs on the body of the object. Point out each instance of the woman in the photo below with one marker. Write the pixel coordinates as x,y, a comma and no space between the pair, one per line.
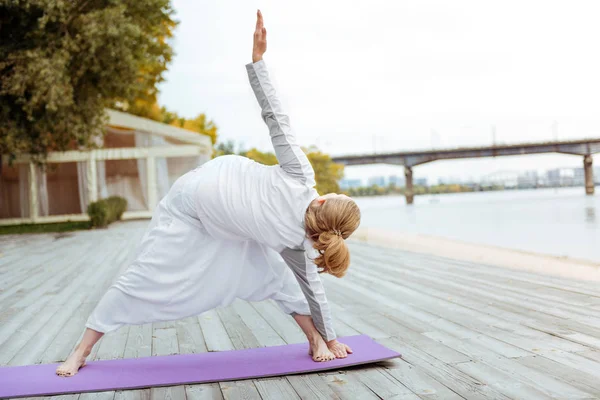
233,228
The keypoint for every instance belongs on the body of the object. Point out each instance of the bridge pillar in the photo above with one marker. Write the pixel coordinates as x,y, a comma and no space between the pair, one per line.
589,174
408,191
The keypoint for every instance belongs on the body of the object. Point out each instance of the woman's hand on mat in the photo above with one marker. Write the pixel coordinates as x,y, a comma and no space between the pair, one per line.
319,351
260,39
340,350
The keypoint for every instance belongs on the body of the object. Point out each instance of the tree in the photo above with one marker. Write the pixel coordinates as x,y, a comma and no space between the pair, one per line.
225,148
198,124
327,173
260,157
63,62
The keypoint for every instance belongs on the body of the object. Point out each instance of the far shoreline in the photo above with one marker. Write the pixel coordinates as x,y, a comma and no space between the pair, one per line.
546,264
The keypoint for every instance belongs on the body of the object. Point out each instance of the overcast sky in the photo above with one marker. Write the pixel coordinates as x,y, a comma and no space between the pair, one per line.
364,76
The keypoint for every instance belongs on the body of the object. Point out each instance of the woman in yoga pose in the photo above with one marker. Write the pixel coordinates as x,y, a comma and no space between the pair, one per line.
233,228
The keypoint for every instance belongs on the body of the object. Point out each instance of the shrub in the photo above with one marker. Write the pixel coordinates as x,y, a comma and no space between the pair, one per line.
116,207
98,212
106,211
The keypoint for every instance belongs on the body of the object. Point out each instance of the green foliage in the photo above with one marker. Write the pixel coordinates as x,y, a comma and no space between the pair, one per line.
225,148
106,211
98,212
44,228
116,207
63,62
327,173
260,157
198,124
376,190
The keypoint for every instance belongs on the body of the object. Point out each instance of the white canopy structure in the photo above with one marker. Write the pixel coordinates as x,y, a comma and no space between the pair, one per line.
138,159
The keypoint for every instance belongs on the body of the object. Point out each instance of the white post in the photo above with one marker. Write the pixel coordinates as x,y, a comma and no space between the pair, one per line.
33,192
151,183
92,178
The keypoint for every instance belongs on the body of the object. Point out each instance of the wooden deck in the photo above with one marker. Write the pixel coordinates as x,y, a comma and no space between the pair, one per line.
465,330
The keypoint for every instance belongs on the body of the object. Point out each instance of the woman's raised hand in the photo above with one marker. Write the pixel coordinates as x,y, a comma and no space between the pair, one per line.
260,39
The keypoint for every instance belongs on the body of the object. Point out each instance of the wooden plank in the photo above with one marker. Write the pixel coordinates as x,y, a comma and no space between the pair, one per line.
138,344
139,341
492,294
425,375
592,355
97,396
36,282
423,341
574,360
275,389
214,332
348,388
189,336
191,340
476,347
494,272
548,385
420,383
209,391
573,377
284,325
217,339
461,299
260,328
31,350
132,394
453,329
507,280
307,386
238,390
164,343
241,336
311,386
401,256
63,343
380,382
504,383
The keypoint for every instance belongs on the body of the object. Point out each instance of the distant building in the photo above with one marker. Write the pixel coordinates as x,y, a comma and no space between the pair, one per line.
528,179
420,181
396,180
578,176
376,180
560,177
507,179
346,184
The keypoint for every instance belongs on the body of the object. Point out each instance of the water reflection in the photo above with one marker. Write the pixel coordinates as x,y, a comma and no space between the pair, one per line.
590,215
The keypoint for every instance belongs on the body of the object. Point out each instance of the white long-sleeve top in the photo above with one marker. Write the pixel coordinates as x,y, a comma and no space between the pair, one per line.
238,198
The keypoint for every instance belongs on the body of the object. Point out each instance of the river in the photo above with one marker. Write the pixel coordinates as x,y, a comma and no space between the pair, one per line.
559,222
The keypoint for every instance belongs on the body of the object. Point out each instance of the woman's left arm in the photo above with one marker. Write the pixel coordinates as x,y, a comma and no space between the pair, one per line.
300,261
307,275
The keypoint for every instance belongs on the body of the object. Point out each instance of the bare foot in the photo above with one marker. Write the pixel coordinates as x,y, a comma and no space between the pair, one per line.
72,365
319,351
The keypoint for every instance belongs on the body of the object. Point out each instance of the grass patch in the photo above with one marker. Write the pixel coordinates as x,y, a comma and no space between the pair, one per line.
45,228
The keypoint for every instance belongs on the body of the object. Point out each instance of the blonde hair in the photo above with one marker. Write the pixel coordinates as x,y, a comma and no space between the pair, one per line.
327,225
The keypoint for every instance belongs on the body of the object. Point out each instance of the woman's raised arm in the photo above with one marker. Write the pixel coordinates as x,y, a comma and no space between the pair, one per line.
289,154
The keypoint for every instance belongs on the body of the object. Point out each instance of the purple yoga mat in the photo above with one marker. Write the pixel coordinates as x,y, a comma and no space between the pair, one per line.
134,373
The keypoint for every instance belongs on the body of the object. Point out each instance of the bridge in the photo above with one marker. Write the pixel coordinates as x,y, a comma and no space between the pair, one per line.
410,159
